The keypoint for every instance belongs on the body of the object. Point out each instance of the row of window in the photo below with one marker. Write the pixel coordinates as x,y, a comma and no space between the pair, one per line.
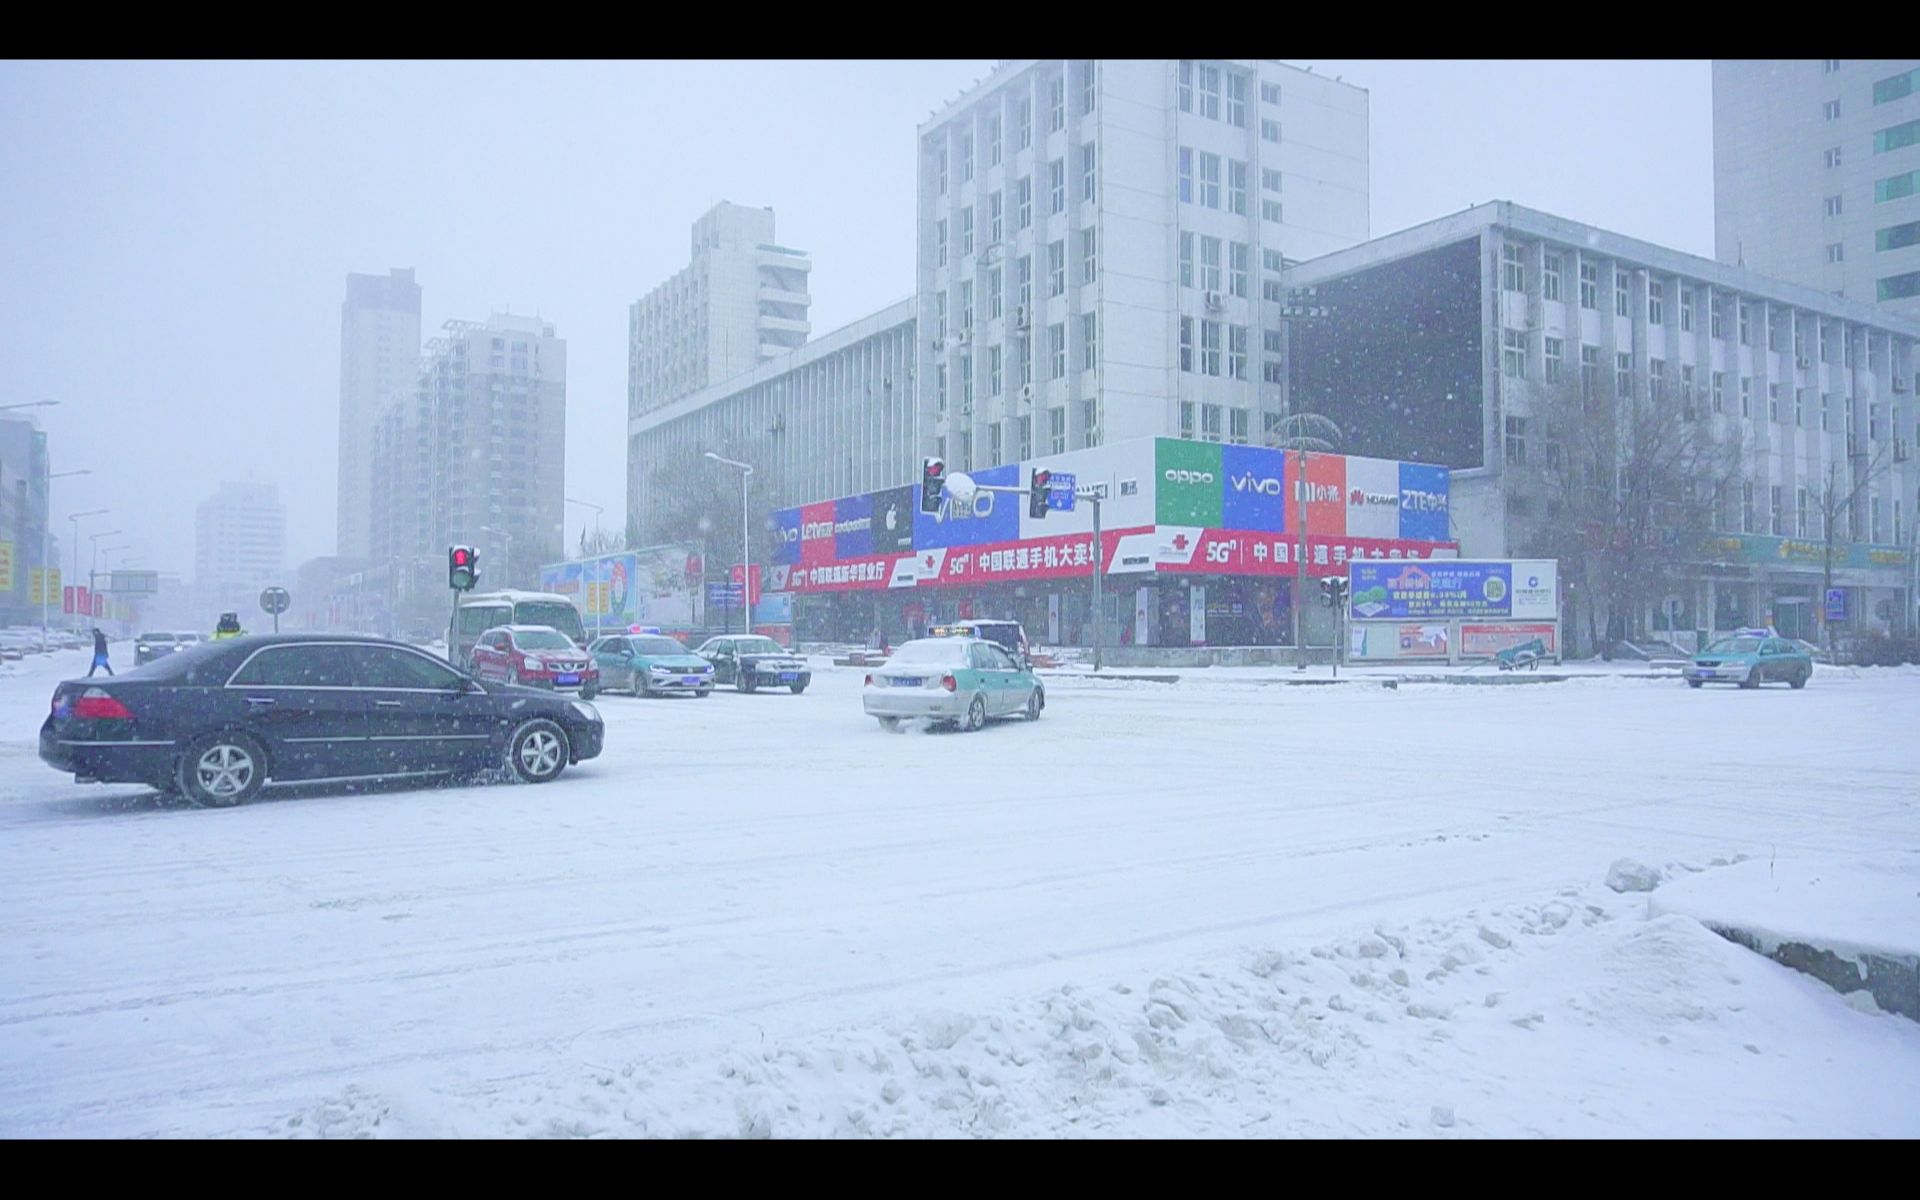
961,459
1087,270
1203,188
1236,342
1201,87
1022,189
1020,360
1023,123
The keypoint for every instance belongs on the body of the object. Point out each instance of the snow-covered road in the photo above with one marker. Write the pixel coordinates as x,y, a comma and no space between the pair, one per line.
1202,908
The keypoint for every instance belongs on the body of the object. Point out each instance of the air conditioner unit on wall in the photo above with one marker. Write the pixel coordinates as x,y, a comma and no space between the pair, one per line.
1019,316
1026,393
966,337
1899,384
1215,301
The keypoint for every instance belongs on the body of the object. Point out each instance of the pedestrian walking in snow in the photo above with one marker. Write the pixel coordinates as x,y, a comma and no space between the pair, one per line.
99,654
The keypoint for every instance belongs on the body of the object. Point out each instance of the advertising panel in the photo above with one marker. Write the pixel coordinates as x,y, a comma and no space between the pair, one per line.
1254,489
892,529
1484,640
1373,498
775,608
6,566
1452,588
1397,640
989,517
654,585
1065,556
1425,514
1325,493
853,526
1187,482
1123,472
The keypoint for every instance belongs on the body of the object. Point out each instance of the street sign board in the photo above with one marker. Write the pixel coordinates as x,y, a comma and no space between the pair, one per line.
133,583
1836,604
1060,492
275,600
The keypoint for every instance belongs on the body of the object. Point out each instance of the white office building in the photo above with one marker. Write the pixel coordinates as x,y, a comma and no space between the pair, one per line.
240,545
379,356
1816,174
1100,245
740,301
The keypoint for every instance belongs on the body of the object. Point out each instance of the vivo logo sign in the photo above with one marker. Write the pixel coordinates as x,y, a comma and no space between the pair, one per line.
1316,493
1175,475
1264,487
1418,501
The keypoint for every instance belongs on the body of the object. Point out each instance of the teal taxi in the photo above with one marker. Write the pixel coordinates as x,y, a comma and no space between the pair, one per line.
650,664
960,681
1750,658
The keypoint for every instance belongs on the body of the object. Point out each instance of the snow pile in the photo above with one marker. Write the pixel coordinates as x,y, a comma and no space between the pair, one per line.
1629,875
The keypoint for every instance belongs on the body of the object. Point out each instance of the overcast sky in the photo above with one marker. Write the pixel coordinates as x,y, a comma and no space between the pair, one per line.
176,236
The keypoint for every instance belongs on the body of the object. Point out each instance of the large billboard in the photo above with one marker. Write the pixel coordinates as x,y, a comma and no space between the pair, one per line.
654,585
1441,589
1214,486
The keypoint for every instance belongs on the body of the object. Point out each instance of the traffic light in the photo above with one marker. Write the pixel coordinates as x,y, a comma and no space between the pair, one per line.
1037,497
933,481
1334,588
463,568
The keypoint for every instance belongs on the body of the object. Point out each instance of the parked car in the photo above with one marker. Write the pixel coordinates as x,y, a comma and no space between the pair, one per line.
1008,635
1750,658
535,656
750,661
219,721
650,665
954,680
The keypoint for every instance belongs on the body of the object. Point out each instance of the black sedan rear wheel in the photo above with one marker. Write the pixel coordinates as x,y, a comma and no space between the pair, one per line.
220,770
538,751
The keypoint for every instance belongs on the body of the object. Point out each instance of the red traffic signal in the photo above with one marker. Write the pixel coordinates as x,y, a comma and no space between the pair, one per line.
933,482
1038,494
463,568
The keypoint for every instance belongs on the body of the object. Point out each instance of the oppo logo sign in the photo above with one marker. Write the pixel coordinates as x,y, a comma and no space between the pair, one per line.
1176,475
1264,487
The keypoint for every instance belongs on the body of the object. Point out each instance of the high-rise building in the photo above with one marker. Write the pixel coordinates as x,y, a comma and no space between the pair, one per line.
476,455
740,301
1816,174
240,543
1101,243
379,354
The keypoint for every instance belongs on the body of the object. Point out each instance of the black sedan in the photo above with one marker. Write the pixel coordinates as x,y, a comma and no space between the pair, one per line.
218,721
750,661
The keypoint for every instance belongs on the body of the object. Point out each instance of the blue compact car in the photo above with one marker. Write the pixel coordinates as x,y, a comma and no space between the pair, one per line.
1750,658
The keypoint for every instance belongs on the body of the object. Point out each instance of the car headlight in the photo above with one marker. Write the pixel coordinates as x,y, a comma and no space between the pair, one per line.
530,664
660,670
586,710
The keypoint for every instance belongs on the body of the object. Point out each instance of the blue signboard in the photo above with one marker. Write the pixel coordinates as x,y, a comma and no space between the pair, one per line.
786,535
1424,503
1429,589
989,517
723,595
1253,488
1060,490
1836,604
853,526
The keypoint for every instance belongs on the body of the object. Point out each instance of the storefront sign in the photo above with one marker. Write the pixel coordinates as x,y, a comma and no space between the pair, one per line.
1796,552
1836,604
1239,552
1454,588
1484,640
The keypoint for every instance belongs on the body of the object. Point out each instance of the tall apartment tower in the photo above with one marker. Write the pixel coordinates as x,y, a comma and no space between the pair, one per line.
240,544
1816,174
379,354
1100,245
741,301
477,454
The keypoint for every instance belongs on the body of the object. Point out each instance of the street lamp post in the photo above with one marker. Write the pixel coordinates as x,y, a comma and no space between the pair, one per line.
93,567
1302,433
75,519
746,562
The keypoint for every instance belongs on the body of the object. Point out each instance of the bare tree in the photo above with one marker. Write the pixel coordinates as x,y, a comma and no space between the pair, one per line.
1841,490
1617,488
699,501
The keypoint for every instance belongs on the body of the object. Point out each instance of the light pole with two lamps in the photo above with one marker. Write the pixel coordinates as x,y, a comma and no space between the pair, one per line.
746,565
75,519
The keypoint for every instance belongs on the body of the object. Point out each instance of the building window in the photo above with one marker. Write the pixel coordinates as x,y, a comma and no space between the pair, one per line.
1621,307
1023,287
966,230
1270,93
1589,372
940,386
1894,87
1209,264
1184,76
1833,156
1270,289
966,382
1023,437
1717,319
1186,419
1894,187
1269,129
1087,78
1897,539
1273,371
1826,412
1209,180
1057,430
1550,277
1800,512
1516,441
966,304
1024,349
1209,347
940,170
1057,350
1237,351
1186,175
1186,364
993,140
1656,303
994,289
994,356
1023,117
1513,269
966,157
1090,422
1240,268
1236,187
1686,391
1833,206
940,316
1086,171
1774,510
1897,237
1088,261
1270,211
1271,340
1657,380
1209,422
1057,185
1799,407
1589,285
1686,310
1746,506
1830,65
1089,341
993,445
1186,259
1746,324
1746,398
940,243
1898,287
1836,252
1773,403
1513,354
1623,376
1056,104
1831,110
1056,267
1236,99
996,204
1269,179
1719,391
1554,348
1896,137
1210,92
1023,202
1873,531
964,447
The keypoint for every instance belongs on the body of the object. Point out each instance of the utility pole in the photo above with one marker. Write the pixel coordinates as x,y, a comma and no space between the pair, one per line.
746,565
1301,433
47,569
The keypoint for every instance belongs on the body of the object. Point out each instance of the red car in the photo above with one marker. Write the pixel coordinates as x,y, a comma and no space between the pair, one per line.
535,656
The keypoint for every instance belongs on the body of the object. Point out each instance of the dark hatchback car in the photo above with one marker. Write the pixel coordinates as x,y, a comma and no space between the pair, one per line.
218,721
